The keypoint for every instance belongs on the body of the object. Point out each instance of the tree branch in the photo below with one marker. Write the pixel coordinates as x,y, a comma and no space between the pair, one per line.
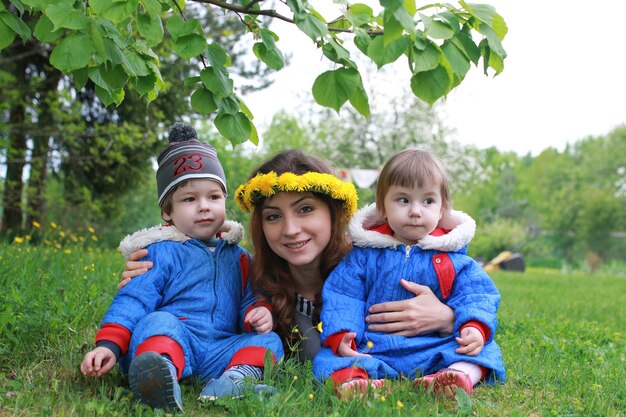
247,9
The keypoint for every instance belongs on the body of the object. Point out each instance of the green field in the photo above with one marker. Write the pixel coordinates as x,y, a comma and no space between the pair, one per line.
563,337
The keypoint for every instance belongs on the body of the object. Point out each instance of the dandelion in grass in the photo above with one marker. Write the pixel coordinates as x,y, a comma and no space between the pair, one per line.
319,327
27,237
94,238
67,251
74,238
295,377
57,245
82,238
399,404
311,396
61,233
53,225
36,224
382,398
18,240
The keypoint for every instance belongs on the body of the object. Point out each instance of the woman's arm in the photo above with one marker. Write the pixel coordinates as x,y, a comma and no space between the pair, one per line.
419,315
134,268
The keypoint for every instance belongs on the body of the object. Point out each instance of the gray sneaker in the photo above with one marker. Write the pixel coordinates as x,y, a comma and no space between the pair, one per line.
152,382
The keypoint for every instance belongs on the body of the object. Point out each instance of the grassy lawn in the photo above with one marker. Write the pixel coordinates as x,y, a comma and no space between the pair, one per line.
563,337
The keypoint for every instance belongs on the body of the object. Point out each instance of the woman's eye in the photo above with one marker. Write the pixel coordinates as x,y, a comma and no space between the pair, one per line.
271,217
306,209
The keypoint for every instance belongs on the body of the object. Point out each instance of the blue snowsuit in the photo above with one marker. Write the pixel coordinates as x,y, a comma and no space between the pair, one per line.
193,295
371,274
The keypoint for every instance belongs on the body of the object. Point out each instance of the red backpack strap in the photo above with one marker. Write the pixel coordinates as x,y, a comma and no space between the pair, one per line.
444,268
244,265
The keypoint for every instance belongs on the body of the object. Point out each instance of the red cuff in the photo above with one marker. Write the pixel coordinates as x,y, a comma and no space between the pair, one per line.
164,345
250,355
346,374
482,328
333,342
115,333
248,328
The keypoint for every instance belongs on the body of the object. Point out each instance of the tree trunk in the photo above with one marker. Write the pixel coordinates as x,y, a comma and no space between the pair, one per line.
13,186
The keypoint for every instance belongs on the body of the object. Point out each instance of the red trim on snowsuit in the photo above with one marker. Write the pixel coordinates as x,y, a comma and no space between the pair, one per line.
115,333
482,328
164,345
333,342
444,268
250,355
346,374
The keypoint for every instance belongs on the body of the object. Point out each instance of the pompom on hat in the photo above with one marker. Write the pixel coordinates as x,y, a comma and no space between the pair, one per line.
186,158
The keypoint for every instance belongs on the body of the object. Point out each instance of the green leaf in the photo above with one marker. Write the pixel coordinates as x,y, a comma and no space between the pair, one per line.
235,127
109,97
359,14
145,84
228,105
154,69
18,5
95,75
114,76
217,55
382,55
134,64
393,28
114,53
464,42
72,53
273,58
152,7
34,4
268,38
244,108
425,60
44,30
80,77
459,63
6,36
405,18
97,38
203,102
63,15
178,28
435,28
494,42
217,81
121,10
431,85
100,6
486,13
189,81
360,101
189,46
254,135
311,26
16,24
151,28
333,88
362,40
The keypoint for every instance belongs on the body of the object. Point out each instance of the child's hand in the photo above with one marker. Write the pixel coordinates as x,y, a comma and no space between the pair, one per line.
260,318
471,341
98,362
345,347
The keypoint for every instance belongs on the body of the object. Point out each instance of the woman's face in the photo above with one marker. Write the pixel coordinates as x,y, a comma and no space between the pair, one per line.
297,226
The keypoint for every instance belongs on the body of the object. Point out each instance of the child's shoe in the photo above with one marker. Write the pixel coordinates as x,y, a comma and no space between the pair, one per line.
232,386
445,382
154,382
358,387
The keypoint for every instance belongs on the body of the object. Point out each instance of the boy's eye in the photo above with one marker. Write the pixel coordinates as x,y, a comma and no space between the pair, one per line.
188,199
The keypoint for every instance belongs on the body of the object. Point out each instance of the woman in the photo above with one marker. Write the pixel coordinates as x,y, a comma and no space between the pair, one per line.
299,232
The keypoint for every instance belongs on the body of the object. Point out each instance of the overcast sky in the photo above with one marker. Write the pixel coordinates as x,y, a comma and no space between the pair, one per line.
564,78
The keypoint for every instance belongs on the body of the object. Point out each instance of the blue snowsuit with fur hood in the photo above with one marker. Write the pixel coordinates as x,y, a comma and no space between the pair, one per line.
193,295
371,274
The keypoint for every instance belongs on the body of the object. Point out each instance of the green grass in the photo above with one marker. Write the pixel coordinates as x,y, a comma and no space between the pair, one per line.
562,337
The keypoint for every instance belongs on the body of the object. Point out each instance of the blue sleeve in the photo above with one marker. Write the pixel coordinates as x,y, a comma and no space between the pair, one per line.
343,297
143,294
474,297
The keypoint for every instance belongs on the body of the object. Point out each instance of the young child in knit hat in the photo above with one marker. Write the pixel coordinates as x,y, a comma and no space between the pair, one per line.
193,313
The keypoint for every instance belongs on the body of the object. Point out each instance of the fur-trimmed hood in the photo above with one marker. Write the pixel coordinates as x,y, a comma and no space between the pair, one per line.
460,225
232,232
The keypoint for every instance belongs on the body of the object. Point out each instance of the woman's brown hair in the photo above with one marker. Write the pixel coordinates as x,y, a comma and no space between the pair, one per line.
270,276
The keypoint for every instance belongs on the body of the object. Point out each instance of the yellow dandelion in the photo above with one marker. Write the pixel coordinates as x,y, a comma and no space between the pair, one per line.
311,396
36,224
382,398
27,237
67,251
370,344
91,230
62,233
74,239
81,238
18,240
53,225
399,404
57,245
295,330
319,327
94,238
295,377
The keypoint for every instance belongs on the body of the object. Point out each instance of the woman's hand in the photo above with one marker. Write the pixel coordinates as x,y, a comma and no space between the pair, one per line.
134,268
419,315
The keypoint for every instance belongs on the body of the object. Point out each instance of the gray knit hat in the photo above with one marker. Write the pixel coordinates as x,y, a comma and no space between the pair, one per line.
186,158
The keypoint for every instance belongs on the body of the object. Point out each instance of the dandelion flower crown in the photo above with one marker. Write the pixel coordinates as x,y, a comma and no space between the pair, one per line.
263,186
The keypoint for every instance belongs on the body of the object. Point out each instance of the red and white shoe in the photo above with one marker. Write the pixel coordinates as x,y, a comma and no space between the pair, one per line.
445,382
358,387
